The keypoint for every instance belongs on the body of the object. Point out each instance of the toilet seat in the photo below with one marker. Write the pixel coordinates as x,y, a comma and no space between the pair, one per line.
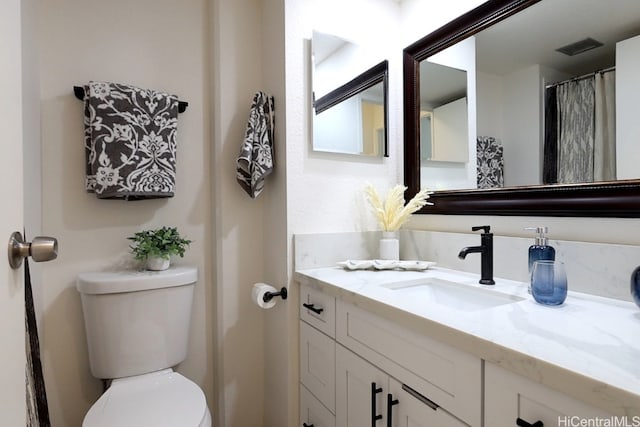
158,399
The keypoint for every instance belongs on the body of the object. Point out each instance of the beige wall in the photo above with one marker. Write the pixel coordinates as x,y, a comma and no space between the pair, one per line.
240,222
159,44
280,326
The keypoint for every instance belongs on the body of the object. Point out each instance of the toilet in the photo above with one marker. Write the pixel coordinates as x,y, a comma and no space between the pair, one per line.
137,325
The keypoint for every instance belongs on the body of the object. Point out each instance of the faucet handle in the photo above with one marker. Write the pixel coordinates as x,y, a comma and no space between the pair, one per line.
486,228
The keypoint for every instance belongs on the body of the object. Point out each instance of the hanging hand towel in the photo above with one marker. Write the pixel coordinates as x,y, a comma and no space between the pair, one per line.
255,160
130,141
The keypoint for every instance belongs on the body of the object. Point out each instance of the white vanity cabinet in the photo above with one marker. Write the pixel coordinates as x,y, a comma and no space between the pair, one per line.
509,397
364,347
354,363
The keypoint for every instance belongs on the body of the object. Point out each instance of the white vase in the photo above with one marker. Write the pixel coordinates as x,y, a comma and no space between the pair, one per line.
389,246
158,263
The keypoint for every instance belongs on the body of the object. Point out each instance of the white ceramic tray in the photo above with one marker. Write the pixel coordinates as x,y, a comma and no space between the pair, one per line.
383,264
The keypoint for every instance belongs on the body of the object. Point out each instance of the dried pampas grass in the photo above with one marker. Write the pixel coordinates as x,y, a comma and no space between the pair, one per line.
391,212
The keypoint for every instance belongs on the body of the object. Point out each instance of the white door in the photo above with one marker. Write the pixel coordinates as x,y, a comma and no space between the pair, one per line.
12,359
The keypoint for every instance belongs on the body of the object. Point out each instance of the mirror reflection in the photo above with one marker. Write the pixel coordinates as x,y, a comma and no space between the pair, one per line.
443,114
447,117
554,92
354,126
349,114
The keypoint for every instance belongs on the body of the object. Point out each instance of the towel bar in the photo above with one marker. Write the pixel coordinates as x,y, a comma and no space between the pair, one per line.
79,93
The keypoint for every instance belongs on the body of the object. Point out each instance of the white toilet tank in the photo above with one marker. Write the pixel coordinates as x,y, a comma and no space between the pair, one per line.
136,321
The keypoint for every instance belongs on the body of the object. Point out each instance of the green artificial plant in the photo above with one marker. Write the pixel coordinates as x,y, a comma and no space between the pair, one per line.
160,243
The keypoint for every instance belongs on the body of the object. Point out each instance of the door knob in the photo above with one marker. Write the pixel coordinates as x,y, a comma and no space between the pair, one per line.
40,249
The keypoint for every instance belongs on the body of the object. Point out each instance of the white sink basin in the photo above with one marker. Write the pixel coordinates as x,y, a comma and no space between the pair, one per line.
451,294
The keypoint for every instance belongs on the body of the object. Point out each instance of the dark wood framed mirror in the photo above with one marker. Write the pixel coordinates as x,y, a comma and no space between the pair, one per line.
620,198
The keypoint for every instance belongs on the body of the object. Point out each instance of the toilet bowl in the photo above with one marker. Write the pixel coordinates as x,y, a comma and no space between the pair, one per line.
158,399
137,324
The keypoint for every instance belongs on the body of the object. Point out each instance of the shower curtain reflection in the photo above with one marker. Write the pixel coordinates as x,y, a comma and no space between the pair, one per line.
580,130
604,166
576,112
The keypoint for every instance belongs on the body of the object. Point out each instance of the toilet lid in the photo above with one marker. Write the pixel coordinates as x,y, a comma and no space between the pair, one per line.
158,399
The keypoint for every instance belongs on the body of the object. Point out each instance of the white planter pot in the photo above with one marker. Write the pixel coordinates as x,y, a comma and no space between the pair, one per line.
158,264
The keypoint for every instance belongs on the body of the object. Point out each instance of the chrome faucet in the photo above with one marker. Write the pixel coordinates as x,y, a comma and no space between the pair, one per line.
486,252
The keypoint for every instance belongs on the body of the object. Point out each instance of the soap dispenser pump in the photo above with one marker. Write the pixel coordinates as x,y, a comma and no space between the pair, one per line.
540,250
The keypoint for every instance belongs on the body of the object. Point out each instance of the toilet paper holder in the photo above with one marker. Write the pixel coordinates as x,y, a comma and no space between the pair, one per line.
270,295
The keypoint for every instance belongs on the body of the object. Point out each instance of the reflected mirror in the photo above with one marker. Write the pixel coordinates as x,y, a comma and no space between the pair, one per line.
551,124
349,114
443,114
356,125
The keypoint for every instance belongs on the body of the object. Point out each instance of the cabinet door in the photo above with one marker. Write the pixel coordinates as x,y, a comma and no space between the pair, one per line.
317,364
312,412
357,404
509,396
408,408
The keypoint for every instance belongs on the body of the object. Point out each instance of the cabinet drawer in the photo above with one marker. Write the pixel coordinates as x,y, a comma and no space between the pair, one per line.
312,412
318,310
509,396
318,364
447,376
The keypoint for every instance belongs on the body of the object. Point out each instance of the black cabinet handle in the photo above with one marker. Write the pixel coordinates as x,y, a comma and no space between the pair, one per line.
390,402
313,308
307,425
522,423
374,417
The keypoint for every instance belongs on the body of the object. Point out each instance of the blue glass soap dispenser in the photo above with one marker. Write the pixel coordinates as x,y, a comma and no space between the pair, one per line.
540,250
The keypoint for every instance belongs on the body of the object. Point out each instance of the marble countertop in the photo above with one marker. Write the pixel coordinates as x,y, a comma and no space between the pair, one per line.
588,348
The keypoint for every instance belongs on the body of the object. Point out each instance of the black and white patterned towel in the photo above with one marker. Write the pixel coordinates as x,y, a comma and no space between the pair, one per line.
255,160
490,162
130,141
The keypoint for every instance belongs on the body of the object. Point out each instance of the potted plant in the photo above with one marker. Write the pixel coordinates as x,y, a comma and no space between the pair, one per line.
155,247
391,212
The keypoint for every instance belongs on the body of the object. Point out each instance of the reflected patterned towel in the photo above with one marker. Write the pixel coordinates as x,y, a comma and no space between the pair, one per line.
130,141
490,162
